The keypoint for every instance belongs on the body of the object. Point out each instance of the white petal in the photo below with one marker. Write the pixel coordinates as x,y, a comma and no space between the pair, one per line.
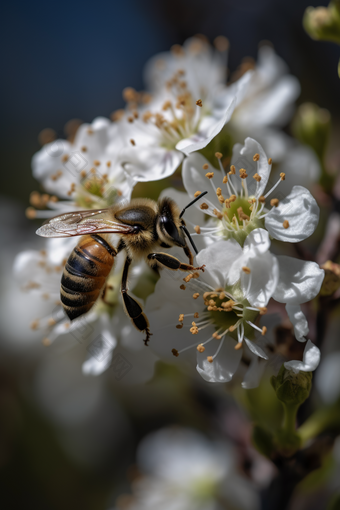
150,163
255,349
253,374
100,353
219,260
243,158
257,242
299,281
300,209
205,133
299,321
259,286
311,359
194,180
224,365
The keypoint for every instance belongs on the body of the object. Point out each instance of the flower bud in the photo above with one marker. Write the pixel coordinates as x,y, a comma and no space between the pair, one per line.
323,23
292,388
311,125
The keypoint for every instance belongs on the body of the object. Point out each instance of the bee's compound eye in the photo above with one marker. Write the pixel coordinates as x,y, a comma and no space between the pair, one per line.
169,227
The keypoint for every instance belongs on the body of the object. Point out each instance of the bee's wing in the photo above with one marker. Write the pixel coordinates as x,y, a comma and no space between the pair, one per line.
81,223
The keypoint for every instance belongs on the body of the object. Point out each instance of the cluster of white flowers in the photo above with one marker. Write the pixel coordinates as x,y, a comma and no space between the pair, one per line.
181,469
188,108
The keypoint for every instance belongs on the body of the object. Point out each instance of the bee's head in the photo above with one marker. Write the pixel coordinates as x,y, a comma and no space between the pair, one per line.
171,227
169,224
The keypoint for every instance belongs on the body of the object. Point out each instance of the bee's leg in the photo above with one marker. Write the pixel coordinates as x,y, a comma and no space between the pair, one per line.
132,308
189,254
166,260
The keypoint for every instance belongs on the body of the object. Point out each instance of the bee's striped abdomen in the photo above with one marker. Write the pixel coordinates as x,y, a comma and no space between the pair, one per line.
85,274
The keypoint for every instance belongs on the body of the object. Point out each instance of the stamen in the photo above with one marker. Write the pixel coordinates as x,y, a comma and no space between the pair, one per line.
182,287
209,175
256,157
246,269
197,229
274,202
196,295
199,103
270,161
204,206
285,224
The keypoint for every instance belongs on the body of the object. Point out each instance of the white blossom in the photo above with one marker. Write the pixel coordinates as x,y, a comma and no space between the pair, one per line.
237,198
85,172
228,299
184,114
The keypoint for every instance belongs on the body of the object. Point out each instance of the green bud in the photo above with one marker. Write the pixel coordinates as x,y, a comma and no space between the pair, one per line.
311,125
291,388
323,23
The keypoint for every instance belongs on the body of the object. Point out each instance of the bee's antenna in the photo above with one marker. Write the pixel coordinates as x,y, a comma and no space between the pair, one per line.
189,205
189,236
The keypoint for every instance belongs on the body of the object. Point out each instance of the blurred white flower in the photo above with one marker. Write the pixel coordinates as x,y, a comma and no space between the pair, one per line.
102,330
238,198
182,470
189,106
228,300
267,103
85,172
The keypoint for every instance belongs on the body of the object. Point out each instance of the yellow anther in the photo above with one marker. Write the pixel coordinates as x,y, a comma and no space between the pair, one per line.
270,161
274,202
34,325
257,177
256,157
199,102
209,175
221,199
210,359
218,192
238,346
263,310
221,43
132,142
200,348
232,170
232,328
181,317
221,296
232,198
179,326
83,149
218,155
264,330
205,166
243,173
218,214
204,206
175,352
262,199
282,176
225,179
197,229
196,316
246,270
117,115
166,106
182,287
241,214
196,295
285,224
194,330
216,335
197,193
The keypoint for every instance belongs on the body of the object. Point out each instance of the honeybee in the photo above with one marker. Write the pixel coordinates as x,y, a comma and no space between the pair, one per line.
143,226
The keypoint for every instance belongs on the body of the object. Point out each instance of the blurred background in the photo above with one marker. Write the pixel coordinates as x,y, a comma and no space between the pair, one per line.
69,60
